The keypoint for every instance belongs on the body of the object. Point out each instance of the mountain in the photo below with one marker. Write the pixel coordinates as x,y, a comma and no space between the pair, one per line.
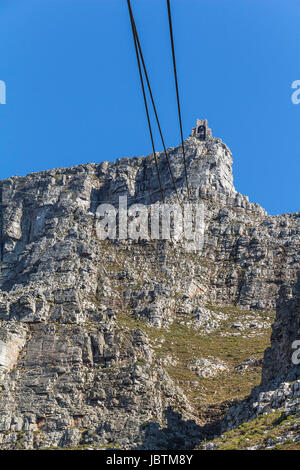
140,344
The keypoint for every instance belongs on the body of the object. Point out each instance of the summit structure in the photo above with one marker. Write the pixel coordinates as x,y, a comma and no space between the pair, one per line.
202,131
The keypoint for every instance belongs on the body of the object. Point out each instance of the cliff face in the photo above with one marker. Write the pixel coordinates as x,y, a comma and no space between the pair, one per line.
274,406
79,359
278,360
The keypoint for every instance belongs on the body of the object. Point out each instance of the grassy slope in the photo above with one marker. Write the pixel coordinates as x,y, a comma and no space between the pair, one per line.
208,396
263,432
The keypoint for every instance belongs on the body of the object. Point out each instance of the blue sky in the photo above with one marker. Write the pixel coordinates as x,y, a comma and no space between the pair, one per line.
73,93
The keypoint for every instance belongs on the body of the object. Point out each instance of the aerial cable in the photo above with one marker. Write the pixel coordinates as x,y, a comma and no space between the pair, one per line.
177,94
144,96
153,103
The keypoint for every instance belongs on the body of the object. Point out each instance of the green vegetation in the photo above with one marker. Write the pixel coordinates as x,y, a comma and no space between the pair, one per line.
262,432
183,343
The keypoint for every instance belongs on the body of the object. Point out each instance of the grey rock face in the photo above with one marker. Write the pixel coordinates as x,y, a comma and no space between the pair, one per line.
74,371
280,385
12,341
278,359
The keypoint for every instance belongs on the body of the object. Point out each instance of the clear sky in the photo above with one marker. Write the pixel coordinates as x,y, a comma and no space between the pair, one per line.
73,93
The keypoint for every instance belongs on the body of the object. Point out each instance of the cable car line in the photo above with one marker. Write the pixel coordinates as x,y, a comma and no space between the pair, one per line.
144,96
153,103
177,93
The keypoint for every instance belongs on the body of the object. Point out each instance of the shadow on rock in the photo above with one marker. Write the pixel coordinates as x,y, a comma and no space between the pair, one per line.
177,435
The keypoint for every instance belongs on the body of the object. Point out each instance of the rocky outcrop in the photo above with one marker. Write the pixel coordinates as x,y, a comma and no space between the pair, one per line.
278,360
280,385
12,341
88,386
75,368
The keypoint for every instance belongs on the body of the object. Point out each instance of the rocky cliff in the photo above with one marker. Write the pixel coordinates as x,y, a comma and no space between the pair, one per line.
270,417
99,339
286,330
